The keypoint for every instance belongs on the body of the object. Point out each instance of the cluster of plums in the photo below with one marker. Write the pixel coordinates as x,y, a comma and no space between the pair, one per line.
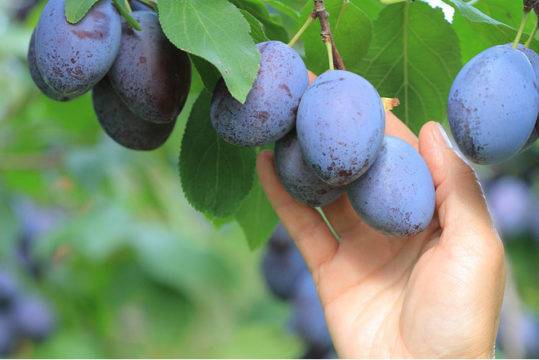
494,104
288,279
22,316
140,80
329,140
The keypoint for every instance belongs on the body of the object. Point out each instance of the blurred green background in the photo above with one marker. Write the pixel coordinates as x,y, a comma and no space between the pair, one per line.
129,267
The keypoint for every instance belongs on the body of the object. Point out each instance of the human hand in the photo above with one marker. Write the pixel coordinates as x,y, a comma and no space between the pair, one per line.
436,294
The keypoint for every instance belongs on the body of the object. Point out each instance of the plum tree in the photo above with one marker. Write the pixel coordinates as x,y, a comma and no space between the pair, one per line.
298,178
33,318
73,58
493,105
534,60
340,126
151,75
396,195
122,125
36,75
269,112
282,264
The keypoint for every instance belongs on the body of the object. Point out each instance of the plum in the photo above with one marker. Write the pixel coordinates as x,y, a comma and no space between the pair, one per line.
397,194
298,178
36,75
122,125
139,6
73,58
493,105
151,75
340,125
269,111
33,318
282,264
534,60
308,318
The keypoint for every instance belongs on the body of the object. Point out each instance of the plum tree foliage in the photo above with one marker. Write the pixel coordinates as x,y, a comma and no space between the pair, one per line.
138,57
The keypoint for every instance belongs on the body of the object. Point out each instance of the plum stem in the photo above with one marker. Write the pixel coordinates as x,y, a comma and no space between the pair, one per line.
532,35
128,6
329,49
523,22
328,224
302,30
127,15
327,37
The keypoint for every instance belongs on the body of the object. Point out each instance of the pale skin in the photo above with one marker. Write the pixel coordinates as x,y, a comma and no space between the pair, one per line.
436,294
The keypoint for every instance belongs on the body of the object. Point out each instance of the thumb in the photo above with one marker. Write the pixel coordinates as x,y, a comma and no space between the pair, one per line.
462,209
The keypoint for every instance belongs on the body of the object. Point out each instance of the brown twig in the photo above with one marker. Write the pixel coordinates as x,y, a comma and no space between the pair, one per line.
528,5
322,15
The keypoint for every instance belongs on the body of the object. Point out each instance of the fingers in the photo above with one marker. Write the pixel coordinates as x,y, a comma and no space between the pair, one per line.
304,224
396,128
460,201
312,77
341,215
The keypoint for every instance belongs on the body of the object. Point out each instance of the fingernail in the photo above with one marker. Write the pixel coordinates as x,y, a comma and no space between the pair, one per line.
447,141
444,136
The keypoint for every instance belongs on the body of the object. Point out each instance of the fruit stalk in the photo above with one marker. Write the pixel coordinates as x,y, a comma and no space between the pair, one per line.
128,6
327,37
302,30
124,12
532,35
521,28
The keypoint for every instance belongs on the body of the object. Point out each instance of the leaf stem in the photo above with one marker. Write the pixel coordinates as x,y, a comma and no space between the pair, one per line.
523,22
328,224
302,30
532,35
327,37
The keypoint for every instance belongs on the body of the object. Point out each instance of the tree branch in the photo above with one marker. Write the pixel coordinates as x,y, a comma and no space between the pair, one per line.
322,14
528,5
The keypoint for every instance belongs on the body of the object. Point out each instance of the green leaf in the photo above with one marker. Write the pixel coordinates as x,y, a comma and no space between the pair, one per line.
75,10
257,8
257,29
372,8
216,31
414,56
257,217
474,14
478,36
216,176
283,9
352,31
208,73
